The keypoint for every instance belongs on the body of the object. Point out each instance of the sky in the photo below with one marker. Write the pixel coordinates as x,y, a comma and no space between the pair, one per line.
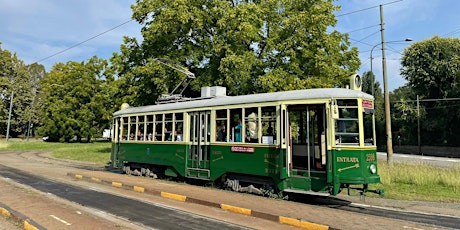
51,31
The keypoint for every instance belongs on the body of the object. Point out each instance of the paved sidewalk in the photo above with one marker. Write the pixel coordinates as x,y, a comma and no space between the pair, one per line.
286,212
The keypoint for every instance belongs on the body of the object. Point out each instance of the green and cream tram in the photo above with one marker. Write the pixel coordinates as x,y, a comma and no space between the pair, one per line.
305,141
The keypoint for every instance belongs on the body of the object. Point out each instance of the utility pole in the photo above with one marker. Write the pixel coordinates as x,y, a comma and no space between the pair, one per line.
418,127
30,113
386,94
9,117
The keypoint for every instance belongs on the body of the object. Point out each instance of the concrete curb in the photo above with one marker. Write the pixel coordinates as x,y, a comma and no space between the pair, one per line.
26,223
240,210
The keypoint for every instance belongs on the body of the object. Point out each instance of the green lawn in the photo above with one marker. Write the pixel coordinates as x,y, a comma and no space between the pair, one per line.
402,181
96,152
420,181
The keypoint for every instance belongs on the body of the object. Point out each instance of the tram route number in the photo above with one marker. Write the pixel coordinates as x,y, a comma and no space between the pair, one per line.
370,157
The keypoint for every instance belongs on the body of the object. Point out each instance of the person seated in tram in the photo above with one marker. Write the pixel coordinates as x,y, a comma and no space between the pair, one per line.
149,137
222,134
252,130
237,131
179,135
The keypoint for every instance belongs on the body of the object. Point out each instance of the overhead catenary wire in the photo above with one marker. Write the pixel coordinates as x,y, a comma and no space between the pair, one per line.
80,43
372,7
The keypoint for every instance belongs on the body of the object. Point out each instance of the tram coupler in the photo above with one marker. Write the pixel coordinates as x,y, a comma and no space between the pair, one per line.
362,191
380,192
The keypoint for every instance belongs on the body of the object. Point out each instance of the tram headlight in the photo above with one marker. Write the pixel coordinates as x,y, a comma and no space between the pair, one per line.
373,169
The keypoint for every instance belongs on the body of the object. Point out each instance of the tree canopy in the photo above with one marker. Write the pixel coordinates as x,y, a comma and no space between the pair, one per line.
77,100
246,46
432,69
23,80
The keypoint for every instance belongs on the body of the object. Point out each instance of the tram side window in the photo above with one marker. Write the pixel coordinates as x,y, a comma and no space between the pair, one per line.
221,125
236,133
179,126
149,124
159,127
252,125
125,126
269,125
368,116
168,127
132,128
140,128
347,125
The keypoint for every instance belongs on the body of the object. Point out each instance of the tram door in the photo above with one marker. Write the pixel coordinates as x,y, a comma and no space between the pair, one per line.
307,125
199,152
286,143
116,136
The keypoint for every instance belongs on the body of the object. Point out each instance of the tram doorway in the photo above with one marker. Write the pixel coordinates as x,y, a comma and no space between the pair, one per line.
199,151
308,136
115,155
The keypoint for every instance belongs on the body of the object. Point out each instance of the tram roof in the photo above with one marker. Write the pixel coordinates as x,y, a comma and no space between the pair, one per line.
251,98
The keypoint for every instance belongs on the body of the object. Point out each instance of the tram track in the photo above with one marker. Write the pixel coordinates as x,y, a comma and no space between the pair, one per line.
335,203
440,220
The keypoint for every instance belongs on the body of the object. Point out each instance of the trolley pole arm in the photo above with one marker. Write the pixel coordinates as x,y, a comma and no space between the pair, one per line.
190,75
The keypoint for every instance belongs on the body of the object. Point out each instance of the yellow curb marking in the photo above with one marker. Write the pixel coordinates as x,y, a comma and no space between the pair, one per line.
28,226
116,184
5,212
78,176
244,211
173,196
138,189
301,224
95,179
309,225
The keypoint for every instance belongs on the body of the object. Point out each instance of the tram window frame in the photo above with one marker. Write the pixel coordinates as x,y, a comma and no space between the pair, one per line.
158,127
150,127
368,127
346,126
268,120
252,124
132,128
178,127
124,128
168,127
236,116
140,128
221,121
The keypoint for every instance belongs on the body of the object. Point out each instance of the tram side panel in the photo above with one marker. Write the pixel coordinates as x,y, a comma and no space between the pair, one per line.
354,166
250,161
171,156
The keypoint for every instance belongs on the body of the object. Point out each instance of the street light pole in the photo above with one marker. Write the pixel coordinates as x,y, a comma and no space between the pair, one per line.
9,117
30,114
373,76
371,58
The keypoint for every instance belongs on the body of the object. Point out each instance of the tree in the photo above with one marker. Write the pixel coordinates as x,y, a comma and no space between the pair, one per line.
404,114
246,46
15,77
37,73
432,69
76,100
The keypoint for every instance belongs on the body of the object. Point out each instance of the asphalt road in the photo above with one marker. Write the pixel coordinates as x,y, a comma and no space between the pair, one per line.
147,214
435,161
